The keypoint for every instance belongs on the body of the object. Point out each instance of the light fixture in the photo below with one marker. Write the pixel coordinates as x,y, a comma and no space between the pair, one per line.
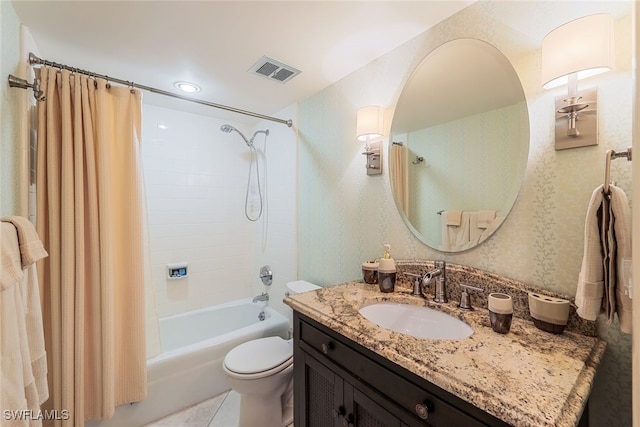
578,49
369,127
187,87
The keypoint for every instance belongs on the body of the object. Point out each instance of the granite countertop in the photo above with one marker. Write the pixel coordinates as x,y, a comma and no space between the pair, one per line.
527,377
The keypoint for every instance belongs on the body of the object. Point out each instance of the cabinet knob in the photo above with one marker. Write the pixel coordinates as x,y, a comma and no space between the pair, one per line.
326,347
347,420
340,413
422,410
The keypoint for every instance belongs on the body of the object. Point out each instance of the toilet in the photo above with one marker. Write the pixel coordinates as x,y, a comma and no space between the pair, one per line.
261,371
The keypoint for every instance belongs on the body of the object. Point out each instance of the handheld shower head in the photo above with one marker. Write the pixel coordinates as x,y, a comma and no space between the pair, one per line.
228,128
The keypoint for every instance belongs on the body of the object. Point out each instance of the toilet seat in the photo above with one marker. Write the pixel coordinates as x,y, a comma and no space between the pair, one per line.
259,358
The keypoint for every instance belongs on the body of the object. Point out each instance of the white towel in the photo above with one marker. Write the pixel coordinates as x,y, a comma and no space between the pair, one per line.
618,300
493,226
591,278
23,364
467,234
10,264
607,242
31,248
453,217
463,233
485,218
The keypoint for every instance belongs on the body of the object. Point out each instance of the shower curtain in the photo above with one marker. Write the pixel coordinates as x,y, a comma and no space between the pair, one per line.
89,216
399,177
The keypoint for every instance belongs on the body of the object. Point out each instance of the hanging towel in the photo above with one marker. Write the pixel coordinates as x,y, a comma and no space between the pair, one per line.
485,218
22,355
607,243
619,238
462,234
451,225
31,248
475,232
10,264
493,226
453,218
591,278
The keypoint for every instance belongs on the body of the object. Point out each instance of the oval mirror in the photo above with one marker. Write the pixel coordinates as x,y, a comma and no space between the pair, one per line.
459,145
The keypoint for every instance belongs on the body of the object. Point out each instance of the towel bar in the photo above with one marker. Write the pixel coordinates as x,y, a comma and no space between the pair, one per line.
612,154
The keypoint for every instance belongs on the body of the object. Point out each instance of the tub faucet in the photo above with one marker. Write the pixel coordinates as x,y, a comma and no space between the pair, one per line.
439,274
262,297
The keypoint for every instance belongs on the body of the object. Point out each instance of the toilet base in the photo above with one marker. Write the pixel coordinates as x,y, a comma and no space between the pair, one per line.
259,411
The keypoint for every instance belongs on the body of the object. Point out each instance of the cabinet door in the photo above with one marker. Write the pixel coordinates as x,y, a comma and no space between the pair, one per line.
366,412
322,394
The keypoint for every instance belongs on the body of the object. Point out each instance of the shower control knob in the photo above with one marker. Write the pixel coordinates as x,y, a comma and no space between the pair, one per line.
266,275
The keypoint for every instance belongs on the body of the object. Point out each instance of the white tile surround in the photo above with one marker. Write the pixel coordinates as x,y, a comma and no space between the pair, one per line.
195,180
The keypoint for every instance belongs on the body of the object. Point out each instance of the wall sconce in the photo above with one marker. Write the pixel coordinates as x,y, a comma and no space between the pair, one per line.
575,50
370,126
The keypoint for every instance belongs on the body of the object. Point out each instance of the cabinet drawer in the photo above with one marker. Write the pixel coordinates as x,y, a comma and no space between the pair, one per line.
404,393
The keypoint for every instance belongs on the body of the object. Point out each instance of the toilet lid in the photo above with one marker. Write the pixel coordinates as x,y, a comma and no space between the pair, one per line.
258,355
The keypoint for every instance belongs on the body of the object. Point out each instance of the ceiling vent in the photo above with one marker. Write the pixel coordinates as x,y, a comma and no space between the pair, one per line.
274,70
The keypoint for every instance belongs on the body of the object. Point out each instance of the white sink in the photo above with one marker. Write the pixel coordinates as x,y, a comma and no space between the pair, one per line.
420,322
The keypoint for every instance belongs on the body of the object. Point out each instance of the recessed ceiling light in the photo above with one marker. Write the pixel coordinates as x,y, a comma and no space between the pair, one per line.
187,87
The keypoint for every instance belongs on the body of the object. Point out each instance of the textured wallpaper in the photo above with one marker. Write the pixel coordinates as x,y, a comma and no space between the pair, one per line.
346,216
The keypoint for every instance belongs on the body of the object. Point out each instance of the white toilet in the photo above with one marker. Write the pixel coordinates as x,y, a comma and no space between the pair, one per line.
261,371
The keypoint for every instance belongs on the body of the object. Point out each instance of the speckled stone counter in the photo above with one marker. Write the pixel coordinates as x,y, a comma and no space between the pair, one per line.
525,378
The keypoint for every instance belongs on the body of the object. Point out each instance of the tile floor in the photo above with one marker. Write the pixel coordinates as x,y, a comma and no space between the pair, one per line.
220,411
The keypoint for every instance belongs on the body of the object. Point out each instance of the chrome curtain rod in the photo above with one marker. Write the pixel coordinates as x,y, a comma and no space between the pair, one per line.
34,60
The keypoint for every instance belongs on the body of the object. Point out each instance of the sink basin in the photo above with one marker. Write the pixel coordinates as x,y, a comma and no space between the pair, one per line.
420,322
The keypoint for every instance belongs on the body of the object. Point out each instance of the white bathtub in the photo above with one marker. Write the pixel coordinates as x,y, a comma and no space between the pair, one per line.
189,369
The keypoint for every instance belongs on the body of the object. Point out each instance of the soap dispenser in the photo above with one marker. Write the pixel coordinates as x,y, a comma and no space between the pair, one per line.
387,271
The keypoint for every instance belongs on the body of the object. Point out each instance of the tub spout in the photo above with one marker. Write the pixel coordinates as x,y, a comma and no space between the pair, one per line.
262,297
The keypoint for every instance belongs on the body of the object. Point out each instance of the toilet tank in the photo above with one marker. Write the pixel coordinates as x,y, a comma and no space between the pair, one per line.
300,286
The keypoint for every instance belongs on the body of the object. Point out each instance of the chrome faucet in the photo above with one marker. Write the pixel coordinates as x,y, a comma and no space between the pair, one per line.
439,274
262,297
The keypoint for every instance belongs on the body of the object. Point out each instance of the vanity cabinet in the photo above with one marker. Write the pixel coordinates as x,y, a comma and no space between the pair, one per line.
338,382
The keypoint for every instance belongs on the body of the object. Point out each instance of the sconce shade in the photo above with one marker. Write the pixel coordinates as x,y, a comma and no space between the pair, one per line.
369,123
583,46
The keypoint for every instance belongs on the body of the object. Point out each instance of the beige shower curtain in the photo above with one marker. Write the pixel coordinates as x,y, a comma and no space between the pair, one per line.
89,216
399,176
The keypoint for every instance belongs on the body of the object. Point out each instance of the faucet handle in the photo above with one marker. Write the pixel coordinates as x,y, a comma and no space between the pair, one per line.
465,300
416,283
266,275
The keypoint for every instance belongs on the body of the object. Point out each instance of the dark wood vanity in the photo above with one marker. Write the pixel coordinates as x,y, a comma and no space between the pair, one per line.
349,371
340,383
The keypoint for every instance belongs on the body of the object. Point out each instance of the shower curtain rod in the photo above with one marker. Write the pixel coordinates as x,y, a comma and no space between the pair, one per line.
34,60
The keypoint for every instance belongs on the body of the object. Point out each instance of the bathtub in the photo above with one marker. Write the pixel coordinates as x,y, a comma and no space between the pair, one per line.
189,369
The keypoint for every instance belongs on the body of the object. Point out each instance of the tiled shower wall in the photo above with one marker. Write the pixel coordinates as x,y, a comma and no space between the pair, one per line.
195,179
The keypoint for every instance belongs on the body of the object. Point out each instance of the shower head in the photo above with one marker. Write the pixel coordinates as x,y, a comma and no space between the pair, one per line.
228,128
